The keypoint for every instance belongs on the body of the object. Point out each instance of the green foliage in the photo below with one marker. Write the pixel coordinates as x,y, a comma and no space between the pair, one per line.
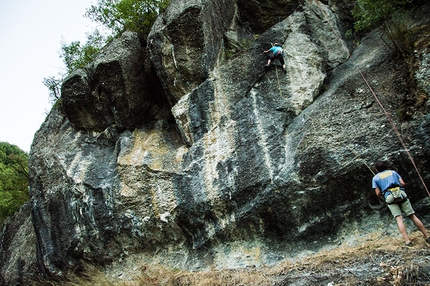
115,17
53,84
13,179
392,16
368,13
349,35
76,56
120,15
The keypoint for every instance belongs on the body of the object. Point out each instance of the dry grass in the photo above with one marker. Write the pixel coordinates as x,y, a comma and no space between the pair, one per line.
391,262
158,275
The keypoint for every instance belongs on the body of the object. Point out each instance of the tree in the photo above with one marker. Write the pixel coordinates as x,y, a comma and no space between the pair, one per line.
115,16
13,179
76,56
53,84
120,15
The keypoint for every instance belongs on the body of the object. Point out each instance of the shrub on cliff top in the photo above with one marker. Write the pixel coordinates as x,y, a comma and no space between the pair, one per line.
368,13
392,16
115,17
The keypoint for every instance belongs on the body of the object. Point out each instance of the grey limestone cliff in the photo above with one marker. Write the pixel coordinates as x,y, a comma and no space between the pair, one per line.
183,150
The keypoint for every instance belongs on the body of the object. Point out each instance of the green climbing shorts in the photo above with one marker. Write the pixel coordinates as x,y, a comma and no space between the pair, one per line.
405,207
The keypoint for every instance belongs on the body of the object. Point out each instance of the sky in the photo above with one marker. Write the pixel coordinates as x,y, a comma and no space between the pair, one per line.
31,32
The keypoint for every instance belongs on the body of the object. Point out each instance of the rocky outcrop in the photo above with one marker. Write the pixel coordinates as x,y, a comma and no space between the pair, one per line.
260,15
18,262
422,75
186,43
202,158
118,89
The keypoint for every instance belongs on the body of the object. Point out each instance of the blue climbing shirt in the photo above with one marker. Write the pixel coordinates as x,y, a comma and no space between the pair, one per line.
276,50
385,179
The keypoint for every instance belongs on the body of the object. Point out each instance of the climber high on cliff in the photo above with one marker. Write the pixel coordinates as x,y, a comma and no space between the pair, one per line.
277,53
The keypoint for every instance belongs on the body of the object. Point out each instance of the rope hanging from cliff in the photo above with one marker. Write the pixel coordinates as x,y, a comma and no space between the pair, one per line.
396,131
379,102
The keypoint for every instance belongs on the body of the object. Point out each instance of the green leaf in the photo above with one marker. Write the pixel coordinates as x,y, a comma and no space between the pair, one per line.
13,179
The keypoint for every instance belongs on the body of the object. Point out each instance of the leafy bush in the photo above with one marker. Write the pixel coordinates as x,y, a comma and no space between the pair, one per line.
133,15
393,17
115,16
13,179
368,13
75,55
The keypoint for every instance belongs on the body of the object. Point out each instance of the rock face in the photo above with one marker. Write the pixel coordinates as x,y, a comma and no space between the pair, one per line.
18,249
119,88
187,152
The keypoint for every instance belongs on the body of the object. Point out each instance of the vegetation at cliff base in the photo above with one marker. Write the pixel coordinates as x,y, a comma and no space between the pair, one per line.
13,179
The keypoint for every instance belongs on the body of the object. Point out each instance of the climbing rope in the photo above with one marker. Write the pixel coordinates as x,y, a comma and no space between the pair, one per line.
379,102
277,77
396,131
279,85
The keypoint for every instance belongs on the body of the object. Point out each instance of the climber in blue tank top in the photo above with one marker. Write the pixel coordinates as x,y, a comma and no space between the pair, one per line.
277,53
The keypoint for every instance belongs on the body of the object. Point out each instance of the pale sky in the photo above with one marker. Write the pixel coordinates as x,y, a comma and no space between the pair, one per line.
31,32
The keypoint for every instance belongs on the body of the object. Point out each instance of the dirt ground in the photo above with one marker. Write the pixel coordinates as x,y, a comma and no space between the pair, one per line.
380,261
